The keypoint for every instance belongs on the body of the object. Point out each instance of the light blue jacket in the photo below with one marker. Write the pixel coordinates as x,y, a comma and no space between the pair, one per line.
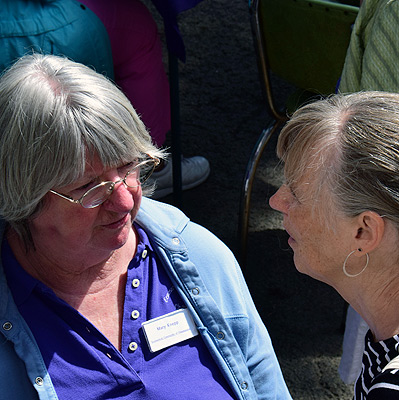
209,280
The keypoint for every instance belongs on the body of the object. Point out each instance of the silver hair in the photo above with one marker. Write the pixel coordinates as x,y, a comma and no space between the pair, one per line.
350,145
55,115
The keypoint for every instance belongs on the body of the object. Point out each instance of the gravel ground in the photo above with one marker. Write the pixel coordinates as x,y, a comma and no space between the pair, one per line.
222,114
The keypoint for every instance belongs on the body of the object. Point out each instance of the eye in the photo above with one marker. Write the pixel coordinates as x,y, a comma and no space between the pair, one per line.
84,188
293,192
126,167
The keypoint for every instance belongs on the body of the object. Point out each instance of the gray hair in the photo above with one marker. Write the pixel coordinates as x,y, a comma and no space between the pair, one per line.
351,142
54,115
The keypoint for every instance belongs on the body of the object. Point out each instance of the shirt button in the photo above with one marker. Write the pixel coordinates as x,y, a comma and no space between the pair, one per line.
136,283
39,381
195,291
133,346
135,314
244,385
220,335
7,326
144,253
176,240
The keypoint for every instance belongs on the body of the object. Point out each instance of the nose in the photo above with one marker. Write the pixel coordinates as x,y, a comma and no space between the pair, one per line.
279,201
121,198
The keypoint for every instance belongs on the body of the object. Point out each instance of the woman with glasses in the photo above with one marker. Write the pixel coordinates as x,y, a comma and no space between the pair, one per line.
105,294
340,206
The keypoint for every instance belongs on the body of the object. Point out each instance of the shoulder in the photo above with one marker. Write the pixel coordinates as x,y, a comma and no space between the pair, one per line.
154,213
163,221
385,386
196,257
166,224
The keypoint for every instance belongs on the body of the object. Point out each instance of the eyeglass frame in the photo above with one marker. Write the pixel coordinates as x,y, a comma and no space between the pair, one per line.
112,184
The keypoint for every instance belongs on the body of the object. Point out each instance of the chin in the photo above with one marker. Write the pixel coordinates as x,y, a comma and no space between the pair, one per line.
303,268
123,236
312,274
120,242
117,239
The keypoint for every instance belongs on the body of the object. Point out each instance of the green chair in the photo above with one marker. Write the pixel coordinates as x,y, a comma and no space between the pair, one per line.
304,42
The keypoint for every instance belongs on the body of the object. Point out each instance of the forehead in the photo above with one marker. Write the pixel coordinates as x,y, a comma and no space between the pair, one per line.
298,167
310,173
93,169
313,160
94,166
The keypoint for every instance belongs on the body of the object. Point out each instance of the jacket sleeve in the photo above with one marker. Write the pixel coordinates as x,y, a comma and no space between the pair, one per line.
14,379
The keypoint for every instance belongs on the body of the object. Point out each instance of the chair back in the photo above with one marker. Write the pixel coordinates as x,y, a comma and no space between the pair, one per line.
304,42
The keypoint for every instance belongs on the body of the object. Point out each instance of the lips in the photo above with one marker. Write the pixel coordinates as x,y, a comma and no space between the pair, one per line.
119,223
286,230
290,239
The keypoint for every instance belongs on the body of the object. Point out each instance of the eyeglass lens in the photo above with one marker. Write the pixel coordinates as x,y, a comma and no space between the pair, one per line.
134,178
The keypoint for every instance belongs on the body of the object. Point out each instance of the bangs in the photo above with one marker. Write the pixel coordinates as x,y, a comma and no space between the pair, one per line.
311,154
115,139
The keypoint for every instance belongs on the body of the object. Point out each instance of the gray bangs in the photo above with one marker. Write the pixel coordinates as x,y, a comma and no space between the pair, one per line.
115,138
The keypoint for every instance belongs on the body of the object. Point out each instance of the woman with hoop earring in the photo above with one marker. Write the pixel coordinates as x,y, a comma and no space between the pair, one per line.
340,206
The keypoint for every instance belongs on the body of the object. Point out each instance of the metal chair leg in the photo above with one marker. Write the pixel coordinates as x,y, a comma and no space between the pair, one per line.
175,129
246,189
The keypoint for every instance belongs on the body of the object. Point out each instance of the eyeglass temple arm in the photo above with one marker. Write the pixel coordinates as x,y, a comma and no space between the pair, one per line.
65,197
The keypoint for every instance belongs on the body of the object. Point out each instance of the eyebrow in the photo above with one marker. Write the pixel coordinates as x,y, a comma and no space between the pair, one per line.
83,180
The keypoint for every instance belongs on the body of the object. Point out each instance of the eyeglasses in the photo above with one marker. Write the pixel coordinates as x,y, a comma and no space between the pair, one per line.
98,194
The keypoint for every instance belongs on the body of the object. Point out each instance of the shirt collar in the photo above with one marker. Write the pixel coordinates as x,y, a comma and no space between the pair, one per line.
19,281
144,244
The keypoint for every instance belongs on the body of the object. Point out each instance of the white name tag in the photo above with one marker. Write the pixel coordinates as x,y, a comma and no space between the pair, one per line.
169,329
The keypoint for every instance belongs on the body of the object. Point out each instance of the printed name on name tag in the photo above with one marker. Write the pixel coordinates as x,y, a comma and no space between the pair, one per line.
169,329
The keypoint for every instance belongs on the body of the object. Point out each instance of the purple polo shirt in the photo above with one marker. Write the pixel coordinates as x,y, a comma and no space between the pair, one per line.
83,364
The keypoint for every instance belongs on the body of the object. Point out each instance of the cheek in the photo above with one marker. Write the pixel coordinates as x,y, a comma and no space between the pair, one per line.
63,223
137,195
317,254
310,236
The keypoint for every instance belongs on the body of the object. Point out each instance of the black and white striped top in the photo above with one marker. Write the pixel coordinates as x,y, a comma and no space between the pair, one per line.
373,384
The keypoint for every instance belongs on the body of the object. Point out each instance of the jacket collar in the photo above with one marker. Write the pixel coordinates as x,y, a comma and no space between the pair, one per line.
4,292
163,223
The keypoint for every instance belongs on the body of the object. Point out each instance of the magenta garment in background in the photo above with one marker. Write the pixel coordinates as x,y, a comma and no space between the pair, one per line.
137,57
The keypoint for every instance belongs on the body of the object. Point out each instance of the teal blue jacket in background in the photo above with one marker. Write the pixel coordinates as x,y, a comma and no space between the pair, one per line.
59,27
209,280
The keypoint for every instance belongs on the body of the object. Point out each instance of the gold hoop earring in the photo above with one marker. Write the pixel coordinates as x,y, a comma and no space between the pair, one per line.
346,259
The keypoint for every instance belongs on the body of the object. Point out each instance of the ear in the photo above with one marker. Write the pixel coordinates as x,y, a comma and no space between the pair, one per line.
370,231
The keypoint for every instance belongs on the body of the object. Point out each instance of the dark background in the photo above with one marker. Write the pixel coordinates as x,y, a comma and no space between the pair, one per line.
222,114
